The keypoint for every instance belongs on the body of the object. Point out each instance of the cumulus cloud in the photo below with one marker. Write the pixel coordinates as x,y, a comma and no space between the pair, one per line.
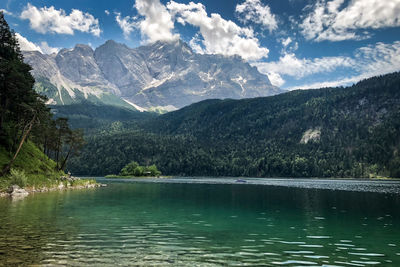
49,19
43,47
218,36
48,49
256,12
26,45
157,23
335,21
127,24
368,61
107,12
275,79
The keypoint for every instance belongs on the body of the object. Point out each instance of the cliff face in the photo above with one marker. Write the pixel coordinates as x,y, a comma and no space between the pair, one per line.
160,75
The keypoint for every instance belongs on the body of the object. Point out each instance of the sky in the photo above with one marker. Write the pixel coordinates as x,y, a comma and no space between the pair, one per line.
299,44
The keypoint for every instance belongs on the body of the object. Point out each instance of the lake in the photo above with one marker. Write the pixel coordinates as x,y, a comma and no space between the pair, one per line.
207,222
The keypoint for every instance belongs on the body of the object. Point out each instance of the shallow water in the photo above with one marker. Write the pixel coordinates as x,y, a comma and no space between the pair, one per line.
207,222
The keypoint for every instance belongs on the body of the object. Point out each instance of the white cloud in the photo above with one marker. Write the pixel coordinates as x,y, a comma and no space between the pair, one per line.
275,79
49,19
330,20
290,65
157,23
368,61
219,36
127,24
335,83
6,12
256,12
286,42
195,44
48,49
26,45
107,12
378,59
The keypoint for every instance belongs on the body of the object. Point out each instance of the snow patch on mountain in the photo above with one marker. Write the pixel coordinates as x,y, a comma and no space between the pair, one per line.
135,106
166,75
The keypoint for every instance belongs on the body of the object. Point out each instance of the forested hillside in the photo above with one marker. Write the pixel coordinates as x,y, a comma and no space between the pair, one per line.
91,117
331,132
29,135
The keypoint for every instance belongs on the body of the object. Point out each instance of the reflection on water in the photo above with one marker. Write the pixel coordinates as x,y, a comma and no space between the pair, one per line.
201,224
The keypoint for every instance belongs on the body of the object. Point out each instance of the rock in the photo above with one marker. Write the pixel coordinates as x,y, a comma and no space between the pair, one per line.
15,190
69,178
61,185
161,75
311,135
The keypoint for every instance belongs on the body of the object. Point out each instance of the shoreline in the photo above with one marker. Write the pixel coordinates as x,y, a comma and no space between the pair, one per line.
17,192
244,177
137,177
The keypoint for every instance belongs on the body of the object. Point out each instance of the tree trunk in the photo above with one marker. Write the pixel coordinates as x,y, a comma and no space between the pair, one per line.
24,136
65,160
58,151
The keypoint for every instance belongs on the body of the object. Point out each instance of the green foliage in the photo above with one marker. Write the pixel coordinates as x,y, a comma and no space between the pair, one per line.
129,169
38,168
260,137
95,116
18,177
26,124
134,169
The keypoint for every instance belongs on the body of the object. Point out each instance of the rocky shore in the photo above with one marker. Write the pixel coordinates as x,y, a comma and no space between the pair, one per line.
65,183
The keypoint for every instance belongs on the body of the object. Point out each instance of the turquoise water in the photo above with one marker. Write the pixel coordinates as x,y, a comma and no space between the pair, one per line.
206,222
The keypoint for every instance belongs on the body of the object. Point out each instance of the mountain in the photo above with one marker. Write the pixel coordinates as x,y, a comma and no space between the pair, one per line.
330,132
162,75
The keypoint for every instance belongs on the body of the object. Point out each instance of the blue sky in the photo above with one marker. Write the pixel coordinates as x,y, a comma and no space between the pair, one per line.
297,43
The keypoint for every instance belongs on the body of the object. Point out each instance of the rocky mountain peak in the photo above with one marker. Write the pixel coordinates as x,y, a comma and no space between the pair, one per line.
111,45
83,49
162,75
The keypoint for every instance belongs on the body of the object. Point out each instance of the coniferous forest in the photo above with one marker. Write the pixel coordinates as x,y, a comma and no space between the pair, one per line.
330,132
29,135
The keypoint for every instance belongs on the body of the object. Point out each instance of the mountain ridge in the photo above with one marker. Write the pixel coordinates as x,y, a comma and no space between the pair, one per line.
329,132
165,75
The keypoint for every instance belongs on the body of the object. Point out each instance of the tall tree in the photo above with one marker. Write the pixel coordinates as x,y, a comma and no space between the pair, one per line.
63,131
74,142
20,106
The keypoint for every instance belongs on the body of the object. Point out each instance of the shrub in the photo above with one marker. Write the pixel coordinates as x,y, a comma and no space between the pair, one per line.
129,169
18,177
134,169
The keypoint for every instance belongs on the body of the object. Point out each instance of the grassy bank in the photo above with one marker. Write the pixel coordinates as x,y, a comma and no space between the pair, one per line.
33,169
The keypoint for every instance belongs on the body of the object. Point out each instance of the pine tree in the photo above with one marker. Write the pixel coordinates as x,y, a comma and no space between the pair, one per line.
20,106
